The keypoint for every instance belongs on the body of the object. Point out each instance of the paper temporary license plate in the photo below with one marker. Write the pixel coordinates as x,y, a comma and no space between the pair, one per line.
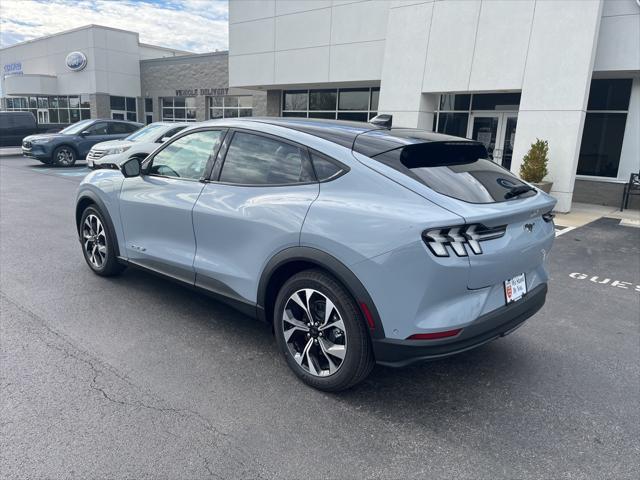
515,288
89,163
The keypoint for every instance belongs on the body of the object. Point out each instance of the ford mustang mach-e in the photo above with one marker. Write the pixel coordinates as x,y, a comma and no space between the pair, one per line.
359,243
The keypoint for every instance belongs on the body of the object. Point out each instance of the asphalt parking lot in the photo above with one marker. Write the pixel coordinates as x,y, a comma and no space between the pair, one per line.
135,377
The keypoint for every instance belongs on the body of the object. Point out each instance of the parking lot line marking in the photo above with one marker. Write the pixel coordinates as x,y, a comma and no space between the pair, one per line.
563,231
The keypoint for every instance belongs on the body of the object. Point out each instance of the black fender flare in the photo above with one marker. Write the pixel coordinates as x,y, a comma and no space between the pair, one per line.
329,263
88,197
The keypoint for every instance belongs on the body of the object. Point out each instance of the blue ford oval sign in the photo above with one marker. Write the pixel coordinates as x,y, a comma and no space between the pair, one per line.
76,61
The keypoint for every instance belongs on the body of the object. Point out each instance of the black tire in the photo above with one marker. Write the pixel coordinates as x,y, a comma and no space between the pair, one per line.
64,156
109,265
358,360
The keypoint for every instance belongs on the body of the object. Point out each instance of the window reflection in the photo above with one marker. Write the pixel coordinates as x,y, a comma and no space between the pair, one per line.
187,157
256,160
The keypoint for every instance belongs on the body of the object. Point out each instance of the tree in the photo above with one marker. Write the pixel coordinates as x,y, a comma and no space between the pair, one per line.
534,163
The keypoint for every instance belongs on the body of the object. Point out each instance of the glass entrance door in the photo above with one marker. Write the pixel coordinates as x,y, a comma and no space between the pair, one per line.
484,129
497,132
43,115
509,122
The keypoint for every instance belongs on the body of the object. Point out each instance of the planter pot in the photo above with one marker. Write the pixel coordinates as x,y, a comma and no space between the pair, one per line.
544,186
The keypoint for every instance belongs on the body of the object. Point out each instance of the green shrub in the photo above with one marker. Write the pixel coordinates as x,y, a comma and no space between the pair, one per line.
534,163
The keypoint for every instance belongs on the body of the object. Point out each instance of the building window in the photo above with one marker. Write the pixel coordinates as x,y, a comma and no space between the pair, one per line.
148,110
123,108
230,106
178,109
53,109
360,104
604,126
454,109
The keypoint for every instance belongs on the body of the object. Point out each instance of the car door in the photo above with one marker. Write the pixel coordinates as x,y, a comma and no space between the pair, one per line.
95,133
254,208
156,207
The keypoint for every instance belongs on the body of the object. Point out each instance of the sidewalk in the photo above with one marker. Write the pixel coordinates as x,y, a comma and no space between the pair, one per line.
10,151
583,213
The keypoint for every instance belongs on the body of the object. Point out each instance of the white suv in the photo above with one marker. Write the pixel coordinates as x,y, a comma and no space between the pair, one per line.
139,144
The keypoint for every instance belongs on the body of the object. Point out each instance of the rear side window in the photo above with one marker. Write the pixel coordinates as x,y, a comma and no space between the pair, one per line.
257,160
117,128
456,169
324,167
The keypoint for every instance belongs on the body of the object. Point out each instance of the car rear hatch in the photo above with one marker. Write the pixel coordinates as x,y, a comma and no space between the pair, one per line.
508,227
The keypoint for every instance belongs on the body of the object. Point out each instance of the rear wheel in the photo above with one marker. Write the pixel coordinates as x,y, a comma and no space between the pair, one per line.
97,243
320,331
64,156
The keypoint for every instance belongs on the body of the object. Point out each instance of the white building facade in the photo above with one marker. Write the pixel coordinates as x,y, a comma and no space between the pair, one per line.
87,72
102,72
503,72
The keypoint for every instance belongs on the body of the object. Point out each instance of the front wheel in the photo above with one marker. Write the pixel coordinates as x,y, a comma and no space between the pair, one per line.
321,333
97,244
64,156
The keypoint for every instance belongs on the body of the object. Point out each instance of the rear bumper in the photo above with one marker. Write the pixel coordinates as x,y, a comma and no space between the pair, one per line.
498,323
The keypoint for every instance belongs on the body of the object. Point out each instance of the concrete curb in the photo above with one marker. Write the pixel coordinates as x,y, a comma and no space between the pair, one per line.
10,151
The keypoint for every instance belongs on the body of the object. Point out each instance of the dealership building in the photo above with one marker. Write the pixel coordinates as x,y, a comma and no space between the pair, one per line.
102,72
500,71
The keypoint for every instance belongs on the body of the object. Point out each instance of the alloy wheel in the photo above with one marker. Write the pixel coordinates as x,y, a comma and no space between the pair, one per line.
314,332
65,156
95,240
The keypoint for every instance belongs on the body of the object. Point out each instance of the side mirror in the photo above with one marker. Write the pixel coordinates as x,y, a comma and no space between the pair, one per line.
84,133
131,168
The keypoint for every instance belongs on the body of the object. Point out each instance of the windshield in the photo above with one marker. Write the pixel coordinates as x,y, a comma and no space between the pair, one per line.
146,134
76,127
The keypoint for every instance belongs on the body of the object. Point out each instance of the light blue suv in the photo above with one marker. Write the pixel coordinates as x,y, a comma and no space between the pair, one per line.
359,243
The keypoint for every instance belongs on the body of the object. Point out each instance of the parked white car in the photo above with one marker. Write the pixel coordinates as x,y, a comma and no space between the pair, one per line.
139,144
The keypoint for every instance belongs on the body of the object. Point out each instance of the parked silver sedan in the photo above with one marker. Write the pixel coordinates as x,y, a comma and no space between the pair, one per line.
139,144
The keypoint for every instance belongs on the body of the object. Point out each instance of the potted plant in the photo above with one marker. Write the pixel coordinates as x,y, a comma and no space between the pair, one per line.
534,165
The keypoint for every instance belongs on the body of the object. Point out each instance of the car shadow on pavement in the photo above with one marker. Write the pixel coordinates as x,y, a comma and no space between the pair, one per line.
440,383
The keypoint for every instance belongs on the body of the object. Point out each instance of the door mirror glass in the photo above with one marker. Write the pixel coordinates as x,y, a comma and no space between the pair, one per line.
131,168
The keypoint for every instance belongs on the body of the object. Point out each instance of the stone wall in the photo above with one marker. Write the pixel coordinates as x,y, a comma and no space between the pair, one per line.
100,105
163,77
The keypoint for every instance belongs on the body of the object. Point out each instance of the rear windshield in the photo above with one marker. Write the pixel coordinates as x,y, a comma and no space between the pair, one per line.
457,169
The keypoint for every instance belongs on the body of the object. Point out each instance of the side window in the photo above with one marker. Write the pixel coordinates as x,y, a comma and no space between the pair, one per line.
119,128
100,128
171,132
187,157
132,127
257,160
325,168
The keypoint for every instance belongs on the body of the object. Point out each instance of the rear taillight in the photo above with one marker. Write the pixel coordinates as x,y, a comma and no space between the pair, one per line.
460,238
435,335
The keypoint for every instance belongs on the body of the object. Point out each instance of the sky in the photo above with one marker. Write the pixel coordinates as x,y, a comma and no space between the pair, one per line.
193,25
